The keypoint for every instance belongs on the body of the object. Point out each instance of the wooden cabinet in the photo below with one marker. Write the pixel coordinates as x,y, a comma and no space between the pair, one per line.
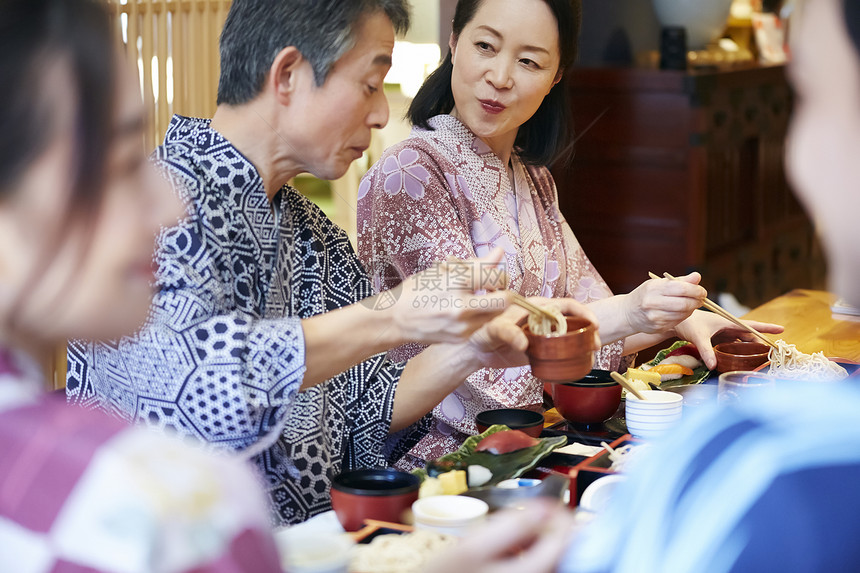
680,171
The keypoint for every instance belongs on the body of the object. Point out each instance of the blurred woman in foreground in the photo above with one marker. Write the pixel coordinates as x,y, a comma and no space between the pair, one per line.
79,209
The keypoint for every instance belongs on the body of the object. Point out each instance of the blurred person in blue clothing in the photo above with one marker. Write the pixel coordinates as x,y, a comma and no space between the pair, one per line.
764,485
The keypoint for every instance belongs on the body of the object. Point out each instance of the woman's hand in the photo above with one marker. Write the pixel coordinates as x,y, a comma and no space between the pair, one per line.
657,305
501,343
540,530
704,329
440,305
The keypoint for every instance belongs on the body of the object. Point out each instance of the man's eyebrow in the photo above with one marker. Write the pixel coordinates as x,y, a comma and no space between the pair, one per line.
382,60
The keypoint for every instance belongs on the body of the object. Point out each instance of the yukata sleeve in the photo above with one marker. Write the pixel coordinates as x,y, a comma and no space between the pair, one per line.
196,367
366,391
408,218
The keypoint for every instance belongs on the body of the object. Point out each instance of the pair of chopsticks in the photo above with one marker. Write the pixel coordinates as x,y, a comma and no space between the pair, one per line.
717,309
522,301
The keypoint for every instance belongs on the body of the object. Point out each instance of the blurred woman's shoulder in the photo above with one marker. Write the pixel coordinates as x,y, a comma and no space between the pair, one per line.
88,489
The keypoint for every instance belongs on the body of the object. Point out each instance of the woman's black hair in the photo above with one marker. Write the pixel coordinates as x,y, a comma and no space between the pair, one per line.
852,21
547,136
35,36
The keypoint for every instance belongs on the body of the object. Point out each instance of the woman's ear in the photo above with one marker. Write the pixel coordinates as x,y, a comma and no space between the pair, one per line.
283,74
452,43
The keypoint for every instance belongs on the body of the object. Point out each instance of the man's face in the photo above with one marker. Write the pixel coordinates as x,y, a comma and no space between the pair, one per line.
329,126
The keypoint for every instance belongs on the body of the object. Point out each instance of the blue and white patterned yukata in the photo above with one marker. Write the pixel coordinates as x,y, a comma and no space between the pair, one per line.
222,355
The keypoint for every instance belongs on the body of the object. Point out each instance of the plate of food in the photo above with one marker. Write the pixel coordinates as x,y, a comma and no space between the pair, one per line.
486,459
679,365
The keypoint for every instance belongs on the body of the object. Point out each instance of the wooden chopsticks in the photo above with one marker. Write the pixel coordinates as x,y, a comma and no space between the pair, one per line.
524,302
717,309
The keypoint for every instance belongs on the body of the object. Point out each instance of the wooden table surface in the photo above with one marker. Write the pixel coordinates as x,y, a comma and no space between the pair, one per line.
810,324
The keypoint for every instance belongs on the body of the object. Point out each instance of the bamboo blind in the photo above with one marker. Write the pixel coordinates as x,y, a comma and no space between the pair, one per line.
174,46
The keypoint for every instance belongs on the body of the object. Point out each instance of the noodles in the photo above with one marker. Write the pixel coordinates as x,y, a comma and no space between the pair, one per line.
786,361
542,326
405,553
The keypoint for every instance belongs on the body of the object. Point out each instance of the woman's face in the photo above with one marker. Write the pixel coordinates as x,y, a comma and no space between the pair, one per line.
96,281
506,60
823,154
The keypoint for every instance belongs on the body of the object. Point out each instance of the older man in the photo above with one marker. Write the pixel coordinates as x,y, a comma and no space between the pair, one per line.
254,341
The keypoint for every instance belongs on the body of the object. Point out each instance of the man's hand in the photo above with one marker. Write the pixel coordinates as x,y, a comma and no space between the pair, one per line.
501,343
440,304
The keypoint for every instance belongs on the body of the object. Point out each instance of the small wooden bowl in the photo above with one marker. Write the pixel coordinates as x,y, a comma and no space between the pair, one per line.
740,355
562,358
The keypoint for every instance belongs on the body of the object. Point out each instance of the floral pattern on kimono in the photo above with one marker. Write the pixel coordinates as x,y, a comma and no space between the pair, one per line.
442,193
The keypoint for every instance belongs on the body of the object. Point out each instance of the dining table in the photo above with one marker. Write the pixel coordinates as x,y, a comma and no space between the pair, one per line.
809,322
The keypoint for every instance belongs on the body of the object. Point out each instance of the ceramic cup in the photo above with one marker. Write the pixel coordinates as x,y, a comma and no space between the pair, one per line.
735,386
654,416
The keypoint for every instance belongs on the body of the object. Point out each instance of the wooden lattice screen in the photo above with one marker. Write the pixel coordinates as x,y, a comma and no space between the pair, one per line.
174,46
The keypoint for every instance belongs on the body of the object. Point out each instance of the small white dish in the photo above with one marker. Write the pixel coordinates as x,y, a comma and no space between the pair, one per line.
449,514
596,496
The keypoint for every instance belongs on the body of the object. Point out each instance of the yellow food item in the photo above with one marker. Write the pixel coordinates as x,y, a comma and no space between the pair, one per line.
643,375
429,487
453,482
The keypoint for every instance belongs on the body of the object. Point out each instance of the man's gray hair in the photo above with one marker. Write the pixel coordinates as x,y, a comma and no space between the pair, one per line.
322,30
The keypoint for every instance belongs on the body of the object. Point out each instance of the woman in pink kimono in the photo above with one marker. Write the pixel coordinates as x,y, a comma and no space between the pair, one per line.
473,176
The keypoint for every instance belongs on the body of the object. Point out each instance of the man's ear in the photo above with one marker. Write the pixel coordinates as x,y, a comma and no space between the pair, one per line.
283,74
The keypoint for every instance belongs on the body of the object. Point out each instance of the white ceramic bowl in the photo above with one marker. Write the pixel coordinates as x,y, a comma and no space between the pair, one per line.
450,514
596,496
654,416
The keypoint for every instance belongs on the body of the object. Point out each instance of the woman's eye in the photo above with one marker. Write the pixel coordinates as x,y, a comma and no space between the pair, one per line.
484,46
372,89
529,63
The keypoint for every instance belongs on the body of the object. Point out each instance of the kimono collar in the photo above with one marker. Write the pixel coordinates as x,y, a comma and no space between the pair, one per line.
464,134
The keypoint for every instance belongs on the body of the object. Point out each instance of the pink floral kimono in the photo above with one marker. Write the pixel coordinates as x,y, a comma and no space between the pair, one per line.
444,193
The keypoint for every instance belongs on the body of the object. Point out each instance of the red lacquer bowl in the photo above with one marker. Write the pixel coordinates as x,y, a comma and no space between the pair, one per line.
380,494
590,400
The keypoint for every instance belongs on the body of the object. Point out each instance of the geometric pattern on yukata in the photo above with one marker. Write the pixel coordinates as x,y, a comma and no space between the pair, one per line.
221,356
443,192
